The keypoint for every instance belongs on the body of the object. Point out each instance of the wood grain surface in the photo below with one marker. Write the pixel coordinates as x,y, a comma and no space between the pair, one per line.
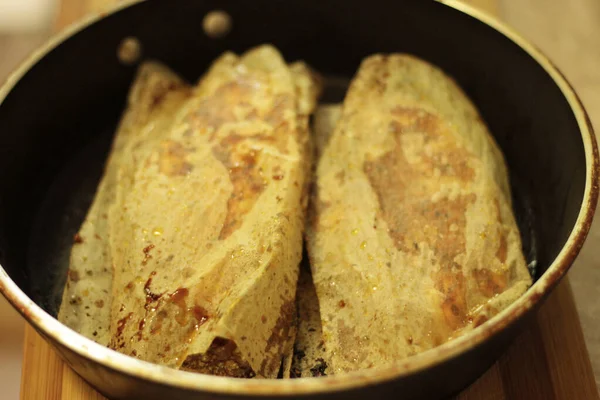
549,361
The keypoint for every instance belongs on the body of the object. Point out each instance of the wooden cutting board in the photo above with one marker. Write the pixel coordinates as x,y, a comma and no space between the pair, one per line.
549,361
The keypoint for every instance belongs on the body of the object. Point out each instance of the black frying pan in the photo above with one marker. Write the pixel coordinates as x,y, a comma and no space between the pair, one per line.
60,109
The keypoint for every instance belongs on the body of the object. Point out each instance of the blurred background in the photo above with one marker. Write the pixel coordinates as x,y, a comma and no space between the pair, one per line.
568,32
24,25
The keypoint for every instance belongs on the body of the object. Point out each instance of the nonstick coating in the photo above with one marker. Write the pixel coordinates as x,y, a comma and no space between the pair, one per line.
57,122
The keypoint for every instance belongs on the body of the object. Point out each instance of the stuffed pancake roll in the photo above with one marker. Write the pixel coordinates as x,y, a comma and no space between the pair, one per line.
412,240
205,226
86,302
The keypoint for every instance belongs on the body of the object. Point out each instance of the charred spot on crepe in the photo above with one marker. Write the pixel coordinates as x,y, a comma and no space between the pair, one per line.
78,239
150,296
147,255
73,275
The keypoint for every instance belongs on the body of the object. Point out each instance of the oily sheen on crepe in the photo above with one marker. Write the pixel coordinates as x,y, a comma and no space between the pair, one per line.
411,239
196,228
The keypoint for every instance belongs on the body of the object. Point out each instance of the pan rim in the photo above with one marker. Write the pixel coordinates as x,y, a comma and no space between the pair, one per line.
111,359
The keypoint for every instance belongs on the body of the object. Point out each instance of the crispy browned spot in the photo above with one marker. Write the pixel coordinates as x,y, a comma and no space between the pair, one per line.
405,190
242,162
502,248
117,340
222,359
172,159
247,183
73,275
147,255
490,283
75,300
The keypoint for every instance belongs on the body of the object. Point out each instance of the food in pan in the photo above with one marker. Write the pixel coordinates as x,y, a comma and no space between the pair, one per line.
196,228
411,238
189,255
87,297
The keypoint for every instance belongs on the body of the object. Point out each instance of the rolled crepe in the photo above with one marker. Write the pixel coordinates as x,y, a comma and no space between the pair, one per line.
86,301
412,240
206,219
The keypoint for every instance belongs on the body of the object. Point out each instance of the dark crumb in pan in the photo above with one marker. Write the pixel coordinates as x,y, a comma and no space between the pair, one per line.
319,368
221,359
299,354
295,372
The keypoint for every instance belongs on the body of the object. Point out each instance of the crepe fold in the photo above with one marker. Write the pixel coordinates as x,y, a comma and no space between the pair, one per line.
411,239
189,254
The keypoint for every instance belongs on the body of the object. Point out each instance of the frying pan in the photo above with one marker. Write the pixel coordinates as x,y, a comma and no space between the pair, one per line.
60,109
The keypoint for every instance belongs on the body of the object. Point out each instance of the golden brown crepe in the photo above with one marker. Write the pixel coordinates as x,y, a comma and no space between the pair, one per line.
87,295
205,204
412,240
